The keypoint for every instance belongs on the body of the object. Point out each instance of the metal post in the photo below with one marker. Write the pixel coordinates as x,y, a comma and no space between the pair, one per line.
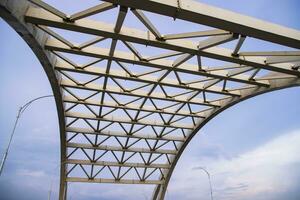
20,112
9,142
208,175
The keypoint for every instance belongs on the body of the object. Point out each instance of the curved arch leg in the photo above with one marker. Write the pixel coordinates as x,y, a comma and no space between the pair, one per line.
159,193
13,12
63,190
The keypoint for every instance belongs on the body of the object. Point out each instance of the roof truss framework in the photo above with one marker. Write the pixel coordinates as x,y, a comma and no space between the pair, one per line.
129,116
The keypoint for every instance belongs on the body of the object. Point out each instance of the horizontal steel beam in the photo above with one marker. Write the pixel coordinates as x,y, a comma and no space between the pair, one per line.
122,134
131,106
283,59
92,11
55,45
60,65
195,34
39,16
115,148
49,8
271,53
139,93
116,164
146,122
200,13
122,181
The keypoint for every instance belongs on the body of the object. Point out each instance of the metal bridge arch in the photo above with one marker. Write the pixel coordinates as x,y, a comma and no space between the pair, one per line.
166,137
160,192
13,13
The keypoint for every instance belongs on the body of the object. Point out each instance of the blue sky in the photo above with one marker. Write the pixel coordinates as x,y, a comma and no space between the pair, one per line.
251,149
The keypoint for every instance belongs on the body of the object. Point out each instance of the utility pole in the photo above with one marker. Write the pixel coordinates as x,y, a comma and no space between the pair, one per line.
208,175
20,112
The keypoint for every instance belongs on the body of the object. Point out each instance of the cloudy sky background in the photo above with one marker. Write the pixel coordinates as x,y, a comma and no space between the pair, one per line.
251,150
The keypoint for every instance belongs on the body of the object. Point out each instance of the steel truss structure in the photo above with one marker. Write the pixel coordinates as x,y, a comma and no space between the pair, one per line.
126,117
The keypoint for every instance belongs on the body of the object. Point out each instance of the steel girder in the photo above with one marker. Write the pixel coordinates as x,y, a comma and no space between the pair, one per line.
126,117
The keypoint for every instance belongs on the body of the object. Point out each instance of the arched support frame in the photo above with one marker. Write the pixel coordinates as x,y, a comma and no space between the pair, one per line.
278,84
13,12
162,137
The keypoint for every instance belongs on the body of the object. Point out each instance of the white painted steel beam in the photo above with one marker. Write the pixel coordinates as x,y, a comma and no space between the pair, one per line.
122,181
140,93
201,13
115,148
195,34
38,16
70,99
144,79
121,134
116,164
92,11
121,56
147,122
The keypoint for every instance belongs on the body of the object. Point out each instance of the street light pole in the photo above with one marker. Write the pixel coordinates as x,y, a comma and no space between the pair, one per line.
20,112
208,175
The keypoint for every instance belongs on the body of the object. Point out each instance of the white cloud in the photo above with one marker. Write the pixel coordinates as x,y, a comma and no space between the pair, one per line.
263,171
30,173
